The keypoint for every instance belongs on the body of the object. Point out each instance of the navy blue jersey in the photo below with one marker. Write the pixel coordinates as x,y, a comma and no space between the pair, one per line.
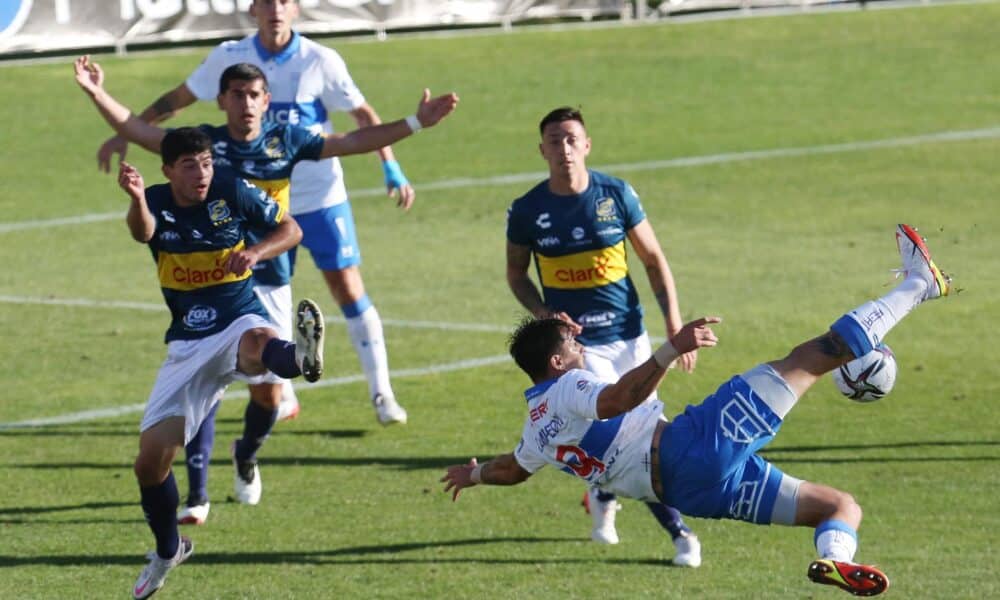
191,245
267,161
578,243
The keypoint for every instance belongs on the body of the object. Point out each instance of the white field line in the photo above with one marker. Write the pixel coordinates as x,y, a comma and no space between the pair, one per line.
653,165
152,307
117,411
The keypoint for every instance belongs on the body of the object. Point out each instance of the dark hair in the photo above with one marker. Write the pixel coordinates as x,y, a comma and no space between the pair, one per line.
533,343
241,72
563,113
183,141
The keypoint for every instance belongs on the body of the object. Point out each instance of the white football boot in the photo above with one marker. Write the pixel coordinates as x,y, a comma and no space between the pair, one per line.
309,340
603,516
154,575
246,480
289,407
194,514
917,261
388,411
688,551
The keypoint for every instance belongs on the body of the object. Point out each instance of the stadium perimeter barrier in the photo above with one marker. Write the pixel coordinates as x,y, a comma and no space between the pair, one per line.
38,27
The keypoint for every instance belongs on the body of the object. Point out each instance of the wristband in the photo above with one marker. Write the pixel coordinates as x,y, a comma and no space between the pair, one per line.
665,355
414,123
476,476
393,173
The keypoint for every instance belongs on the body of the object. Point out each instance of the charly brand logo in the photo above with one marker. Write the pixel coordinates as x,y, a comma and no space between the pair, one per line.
13,14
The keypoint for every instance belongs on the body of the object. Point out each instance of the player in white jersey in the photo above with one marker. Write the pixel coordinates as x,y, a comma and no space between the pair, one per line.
307,81
705,461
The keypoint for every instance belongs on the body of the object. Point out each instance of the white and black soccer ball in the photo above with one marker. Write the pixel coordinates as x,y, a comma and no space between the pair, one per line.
868,378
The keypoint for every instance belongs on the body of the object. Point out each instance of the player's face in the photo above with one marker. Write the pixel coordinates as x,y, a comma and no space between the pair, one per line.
189,177
245,103
565,147
274,17
570,355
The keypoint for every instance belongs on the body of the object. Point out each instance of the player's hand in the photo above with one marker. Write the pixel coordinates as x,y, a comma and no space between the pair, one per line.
396,183
89,75
113,145
130,180
431,110
696,334
687,361
458,478
574,327
240,262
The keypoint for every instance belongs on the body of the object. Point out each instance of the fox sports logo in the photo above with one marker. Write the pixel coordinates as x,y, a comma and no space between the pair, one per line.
13,14
200,318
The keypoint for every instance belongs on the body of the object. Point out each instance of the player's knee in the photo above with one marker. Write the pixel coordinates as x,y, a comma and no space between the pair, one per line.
251,347
267,395
149,472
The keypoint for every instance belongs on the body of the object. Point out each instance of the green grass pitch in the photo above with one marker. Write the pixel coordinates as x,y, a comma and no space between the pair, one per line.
813,133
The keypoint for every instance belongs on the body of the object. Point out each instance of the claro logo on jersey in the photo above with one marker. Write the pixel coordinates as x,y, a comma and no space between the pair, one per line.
196,270
13,14
200,318
588,269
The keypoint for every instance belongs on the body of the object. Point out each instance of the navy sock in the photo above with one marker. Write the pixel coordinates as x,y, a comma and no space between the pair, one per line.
605,496
199,455
669,518
159,504
279,358
257,424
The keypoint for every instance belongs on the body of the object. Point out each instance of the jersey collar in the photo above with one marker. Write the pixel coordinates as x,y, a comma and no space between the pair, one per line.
539,389
281,57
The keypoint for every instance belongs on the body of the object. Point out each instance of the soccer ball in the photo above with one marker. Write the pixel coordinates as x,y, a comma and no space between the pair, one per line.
868,378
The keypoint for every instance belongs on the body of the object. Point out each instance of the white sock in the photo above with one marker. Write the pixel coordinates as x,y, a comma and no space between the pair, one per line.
877,317
836,541
366,335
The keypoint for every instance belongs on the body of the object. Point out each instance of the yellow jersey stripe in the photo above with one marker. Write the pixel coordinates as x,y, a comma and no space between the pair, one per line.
197,270
583,270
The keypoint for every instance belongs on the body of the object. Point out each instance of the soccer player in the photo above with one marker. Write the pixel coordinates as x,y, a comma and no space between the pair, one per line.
196,227
575,223
308,82
264,153
705,461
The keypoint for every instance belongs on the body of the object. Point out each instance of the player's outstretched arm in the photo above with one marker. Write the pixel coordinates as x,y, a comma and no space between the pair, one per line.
165,107
90,78
502,470
636,385
430,111
141,223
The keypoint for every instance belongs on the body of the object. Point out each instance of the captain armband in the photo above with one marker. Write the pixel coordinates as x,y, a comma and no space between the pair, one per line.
476,476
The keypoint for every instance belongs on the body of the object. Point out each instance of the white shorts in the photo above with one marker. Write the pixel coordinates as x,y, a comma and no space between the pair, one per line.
277,300
610,361
195,375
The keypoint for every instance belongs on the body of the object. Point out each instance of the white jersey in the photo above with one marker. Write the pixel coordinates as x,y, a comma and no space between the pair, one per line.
562,429
307,82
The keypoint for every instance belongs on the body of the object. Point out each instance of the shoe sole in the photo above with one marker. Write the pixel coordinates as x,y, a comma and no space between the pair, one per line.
191,521
826,572
942,280
309,326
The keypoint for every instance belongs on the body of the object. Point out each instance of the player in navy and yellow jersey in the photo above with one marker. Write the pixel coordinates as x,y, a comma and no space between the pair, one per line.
575,224
196,227
265,153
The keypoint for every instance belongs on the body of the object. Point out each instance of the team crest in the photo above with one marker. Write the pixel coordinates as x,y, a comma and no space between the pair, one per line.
218,212
273,147
605,209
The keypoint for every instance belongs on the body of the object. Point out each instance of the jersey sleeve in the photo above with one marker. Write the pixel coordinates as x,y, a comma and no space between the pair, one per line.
576,393
204,80
518,231
307,144
633,211
525,456
340,93
261,211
